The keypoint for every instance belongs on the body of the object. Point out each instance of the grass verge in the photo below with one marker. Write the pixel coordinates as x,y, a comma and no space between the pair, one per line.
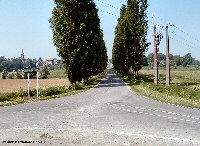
7,99
184,90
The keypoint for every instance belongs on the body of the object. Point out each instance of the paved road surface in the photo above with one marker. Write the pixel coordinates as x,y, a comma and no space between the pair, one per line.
109,114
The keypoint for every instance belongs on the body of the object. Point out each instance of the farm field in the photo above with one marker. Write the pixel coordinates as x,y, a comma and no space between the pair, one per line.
13,85
184,88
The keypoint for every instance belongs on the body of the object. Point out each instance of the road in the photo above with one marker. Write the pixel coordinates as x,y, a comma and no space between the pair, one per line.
109,114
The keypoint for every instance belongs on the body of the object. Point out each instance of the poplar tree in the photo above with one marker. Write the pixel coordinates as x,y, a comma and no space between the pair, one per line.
78,38
120,52
134,44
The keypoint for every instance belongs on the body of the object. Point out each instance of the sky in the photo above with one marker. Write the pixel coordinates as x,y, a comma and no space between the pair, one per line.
24,25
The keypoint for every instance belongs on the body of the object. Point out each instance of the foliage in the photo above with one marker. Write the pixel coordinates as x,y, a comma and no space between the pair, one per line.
175,60
185,88
187,60
120,51
78,38
47,93
15,63
4,74
130,37
44,72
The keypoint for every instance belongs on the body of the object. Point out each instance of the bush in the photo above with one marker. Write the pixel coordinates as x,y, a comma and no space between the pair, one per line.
4,74
11,75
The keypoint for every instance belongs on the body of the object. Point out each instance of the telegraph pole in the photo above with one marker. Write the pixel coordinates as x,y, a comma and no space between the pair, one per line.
155,58
167,57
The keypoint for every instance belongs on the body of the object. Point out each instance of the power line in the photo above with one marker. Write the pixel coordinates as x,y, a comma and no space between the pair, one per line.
178,28
108,13
108,4
183,43
192,36
186,40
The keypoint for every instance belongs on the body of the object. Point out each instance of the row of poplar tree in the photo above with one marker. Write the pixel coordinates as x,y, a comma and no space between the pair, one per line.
130,41
78,38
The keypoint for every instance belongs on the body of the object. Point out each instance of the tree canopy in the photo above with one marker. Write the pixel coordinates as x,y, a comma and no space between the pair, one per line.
130,37
78,38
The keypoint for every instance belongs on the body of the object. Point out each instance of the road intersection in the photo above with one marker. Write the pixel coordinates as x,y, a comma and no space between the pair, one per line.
109,114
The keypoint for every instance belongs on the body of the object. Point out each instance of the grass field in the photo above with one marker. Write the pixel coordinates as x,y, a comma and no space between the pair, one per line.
57,74
13,85
50,88
184,88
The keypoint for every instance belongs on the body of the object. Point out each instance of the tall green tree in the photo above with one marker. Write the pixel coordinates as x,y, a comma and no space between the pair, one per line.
137,32
78,38
187,60
120,51
130,38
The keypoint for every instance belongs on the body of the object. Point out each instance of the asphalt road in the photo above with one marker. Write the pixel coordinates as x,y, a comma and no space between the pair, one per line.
109,114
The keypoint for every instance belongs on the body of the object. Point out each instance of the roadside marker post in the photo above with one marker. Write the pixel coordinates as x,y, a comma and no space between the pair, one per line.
28,71
38,94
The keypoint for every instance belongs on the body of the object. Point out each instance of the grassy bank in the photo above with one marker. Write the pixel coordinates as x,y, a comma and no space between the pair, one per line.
7,99
184,89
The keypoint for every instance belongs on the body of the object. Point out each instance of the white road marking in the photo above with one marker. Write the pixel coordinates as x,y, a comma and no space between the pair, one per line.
168,112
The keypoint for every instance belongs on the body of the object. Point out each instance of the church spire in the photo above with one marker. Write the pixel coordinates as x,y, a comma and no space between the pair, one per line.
22,56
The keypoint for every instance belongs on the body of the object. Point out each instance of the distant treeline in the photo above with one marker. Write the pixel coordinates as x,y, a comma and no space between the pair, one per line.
175,60
17,64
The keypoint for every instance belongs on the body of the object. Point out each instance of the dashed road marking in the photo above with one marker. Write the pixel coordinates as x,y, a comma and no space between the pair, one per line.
158,115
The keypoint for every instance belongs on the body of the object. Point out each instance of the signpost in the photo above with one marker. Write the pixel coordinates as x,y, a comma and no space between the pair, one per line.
28,71
37,80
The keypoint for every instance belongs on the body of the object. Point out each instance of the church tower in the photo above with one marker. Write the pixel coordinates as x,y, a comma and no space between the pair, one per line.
22,56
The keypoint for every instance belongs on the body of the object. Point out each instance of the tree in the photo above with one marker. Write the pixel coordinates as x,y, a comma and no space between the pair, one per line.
137,30
78,38
44,72
120,51
134,29
187,60
177,59
4,74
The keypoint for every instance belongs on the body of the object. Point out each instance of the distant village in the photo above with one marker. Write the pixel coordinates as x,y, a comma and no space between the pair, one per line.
50,61
15,67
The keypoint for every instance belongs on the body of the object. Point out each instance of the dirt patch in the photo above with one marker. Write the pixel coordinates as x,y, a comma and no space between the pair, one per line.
12,85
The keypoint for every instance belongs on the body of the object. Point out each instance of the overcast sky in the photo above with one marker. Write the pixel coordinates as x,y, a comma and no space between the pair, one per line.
24,25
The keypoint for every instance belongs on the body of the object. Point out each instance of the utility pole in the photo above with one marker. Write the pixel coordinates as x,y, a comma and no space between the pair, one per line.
167,57
155,58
